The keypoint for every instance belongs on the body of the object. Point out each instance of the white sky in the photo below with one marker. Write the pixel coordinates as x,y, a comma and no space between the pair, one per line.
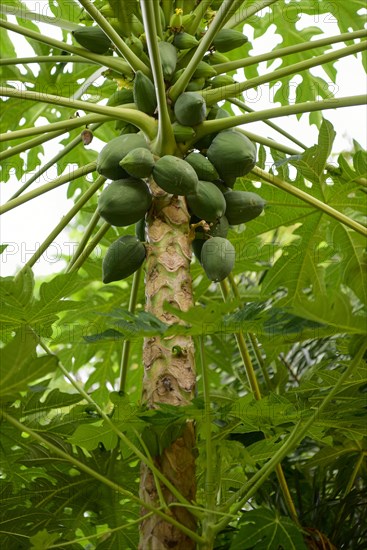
25,227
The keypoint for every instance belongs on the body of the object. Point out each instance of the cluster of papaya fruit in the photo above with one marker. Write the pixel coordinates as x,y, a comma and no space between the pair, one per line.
204,171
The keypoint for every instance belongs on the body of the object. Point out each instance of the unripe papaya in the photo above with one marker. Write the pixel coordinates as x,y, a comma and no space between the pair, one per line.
175,175
182,133
184,41
207,202
176,20
121,97
202,166
217,258
217,112
243,206
190,109
168,54
115,150
93,39
233,155
196,84
204,70
140,230
123,257
138,163
124,202
215,58
221,80
228,39
144,94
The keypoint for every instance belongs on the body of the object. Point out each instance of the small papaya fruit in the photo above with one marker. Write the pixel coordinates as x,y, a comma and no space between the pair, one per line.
93,39
123,257
243,206
138,162
204,70
140,230
207,202
217,258
184,41
144,94
215,58
121,97
228,39
233,155
114,151
124,202
190,109
202,166
221,80
175,175
196,84
168,54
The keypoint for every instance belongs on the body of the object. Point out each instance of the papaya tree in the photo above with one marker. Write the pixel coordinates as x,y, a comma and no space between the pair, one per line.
192,376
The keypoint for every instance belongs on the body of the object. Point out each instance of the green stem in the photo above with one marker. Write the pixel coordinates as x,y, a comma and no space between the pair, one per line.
134,61
167,6
126,345
225,92
199,12
82,257
84,240
52,162
309,199
251,376
157,19
211,126
201,49
66,178
65,125
143,121
21,13
238,17
120,434
165,141
10,152
289,50
244,107
209,459
113,63
356,469
44,59
295,437
102,479
63,223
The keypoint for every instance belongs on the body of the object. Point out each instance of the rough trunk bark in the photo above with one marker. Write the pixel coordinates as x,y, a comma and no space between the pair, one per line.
169,367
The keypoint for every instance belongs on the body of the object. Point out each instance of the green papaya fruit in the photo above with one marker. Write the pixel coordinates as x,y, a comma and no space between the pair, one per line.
182,133
196,84
93,39
228,39
177,75
138,163
217,112
202,166
114,151
243,206
197,245
140,230
204,70
221,80
175,23
217,258
120,97
144,94
190,109
233,155
175,175
215,58
168,54
184,41
123,257
207,202
124,202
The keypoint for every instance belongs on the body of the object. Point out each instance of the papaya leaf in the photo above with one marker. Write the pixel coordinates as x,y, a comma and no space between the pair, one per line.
266,530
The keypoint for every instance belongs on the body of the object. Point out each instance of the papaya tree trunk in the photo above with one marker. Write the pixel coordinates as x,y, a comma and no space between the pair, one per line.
169,368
